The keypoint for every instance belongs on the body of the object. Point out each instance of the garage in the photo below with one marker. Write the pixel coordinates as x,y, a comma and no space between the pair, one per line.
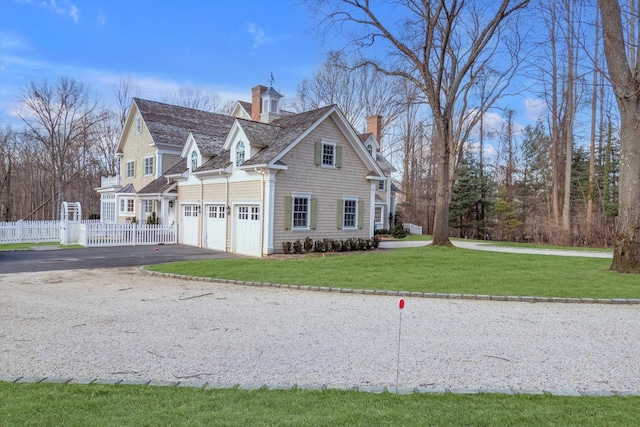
216,227
247,230
189,225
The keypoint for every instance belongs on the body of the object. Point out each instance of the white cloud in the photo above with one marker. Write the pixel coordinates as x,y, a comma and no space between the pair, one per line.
75,13
534,108
10,41
259,36
102,18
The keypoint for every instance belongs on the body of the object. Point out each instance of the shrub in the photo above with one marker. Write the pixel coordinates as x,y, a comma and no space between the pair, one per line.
308,244
375,242
399,232
286,247
297,247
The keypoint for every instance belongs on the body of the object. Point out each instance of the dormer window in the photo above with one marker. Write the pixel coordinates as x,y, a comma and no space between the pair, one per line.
240,153
370,149
194,160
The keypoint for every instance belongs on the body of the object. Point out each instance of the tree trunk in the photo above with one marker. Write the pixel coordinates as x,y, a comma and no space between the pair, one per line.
441,219
626,254
623,70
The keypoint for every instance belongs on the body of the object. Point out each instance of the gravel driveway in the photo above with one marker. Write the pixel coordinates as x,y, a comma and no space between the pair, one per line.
124,324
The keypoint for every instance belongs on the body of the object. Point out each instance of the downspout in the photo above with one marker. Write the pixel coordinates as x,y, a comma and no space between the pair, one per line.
201,209
263,229
228,218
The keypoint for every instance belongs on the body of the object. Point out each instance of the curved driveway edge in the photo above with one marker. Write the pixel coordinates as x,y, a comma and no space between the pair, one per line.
530,299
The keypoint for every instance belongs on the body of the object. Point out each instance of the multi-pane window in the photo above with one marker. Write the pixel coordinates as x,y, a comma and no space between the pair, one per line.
190,210
108,208
377,215
131,168
240,153
328,154
381,185
370,149
127,205
138,124
243,212
300,212
217,212
148,165
194,160
255,213
147,206
350,213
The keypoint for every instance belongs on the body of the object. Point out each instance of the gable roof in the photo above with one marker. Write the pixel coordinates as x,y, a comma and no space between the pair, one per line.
171,124
158,186
285,131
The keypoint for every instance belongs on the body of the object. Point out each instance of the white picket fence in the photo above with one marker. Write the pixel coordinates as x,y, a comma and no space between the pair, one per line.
125,234
29,231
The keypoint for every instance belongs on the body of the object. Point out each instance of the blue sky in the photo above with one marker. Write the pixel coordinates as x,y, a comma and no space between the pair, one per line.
222,46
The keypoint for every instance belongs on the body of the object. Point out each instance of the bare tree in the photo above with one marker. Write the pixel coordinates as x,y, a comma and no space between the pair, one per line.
622,51
197,99
440,46
59,118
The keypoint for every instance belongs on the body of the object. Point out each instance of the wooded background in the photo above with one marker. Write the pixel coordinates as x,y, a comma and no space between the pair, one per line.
551,180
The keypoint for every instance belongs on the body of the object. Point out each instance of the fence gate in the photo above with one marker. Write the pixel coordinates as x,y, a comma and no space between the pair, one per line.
70,217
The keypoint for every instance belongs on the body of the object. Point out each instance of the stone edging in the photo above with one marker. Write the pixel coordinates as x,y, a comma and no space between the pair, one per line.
204,385
406,294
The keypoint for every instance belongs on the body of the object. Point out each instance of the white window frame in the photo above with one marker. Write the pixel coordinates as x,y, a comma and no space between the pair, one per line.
378,215
370,149
130,166
381,185
108,208
241,153
349,200
127,206
138,125
217,211
148,165
194,160
331,164
306,213
147,207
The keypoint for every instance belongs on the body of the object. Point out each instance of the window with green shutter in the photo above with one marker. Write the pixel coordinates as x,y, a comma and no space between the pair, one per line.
313,217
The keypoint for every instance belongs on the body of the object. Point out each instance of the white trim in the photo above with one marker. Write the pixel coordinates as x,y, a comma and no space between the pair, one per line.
355,217
295,196
333,144
144,165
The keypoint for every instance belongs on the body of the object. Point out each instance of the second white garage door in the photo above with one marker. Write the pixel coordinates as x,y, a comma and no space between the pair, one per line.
216,227
247,230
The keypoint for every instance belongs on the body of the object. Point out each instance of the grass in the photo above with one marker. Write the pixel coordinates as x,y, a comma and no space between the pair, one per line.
537,246
96,405
29,246
430,269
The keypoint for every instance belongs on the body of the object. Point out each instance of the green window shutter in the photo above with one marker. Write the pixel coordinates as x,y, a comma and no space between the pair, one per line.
360,213
134,169
338,156
318,158
288,206
313,214
339,214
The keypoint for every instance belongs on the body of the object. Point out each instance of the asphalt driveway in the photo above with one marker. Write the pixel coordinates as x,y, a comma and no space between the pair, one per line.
122,256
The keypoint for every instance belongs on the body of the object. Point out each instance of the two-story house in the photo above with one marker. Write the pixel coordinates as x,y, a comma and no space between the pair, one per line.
247,182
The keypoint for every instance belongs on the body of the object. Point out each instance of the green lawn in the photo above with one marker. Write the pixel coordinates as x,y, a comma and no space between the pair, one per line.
430,269
76,405
27,246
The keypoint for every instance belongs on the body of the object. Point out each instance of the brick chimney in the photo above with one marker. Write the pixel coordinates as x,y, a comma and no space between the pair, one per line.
256,102
374,126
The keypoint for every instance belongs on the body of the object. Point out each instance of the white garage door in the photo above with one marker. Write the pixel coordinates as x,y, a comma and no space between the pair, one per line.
216,227
247,230
189,225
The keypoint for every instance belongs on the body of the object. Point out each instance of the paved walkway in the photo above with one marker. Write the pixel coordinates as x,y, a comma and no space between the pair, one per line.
395,244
